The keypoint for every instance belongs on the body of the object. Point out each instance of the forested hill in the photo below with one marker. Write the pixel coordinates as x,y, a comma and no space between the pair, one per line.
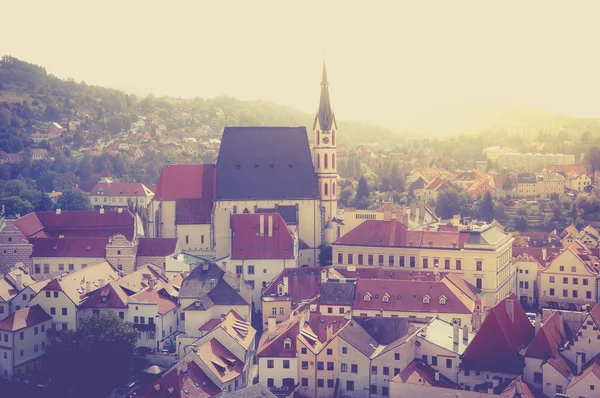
29,97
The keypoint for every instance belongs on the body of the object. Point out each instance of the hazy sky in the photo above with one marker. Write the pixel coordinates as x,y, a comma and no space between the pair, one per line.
387,61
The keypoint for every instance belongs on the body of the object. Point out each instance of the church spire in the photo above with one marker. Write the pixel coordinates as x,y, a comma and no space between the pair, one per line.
325,114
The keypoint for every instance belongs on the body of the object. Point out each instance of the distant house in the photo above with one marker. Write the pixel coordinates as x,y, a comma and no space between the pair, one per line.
39,154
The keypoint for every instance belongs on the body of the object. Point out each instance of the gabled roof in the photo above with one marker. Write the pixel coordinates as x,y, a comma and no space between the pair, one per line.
186,181
77,223
163,302
248,242
440,332
69,247
420,373
384,330
8,284
173,383
254,391
320,330
142,278
240,330
303,283
24,318
337,293
156,247
499,342
210,285
355,335
110,295
220,361
268,163
121,189
193,211
273,347
435,185
592,367
547,343
518,388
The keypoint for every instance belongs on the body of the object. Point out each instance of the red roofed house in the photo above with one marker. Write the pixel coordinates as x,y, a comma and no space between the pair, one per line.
496,350
419,379
182,205
481,256
262,245
583,347
587,382
24,341
432,190
11,286
107,193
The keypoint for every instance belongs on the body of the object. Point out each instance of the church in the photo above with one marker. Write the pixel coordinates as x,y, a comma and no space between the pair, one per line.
268,171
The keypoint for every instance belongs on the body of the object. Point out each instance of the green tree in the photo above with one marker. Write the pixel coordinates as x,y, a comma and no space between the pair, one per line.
592,160
363,188
74,199
46,181
449,203
485,210
51,113
44,203
325,255
5,116
103,345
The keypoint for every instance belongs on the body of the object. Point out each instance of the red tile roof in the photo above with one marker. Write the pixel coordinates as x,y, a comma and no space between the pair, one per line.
186,181
592,366
498,343
535,252
24,318
150,295
320,323
408,296
159,247
210,325
173,383
272,346
421,373
547,343
69,247
220,361
249,243
566,168
121,189
77,223
303,284
193,211
394,234
376,272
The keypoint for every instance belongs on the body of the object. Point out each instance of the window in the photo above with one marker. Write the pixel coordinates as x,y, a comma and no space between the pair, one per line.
551,279
402,261
458,265
304,365
64,311
562,268
386,371
424,358
344,350
136,319
447,263
385,391
37,268
565,281
52,311
320,383
43,328
341,310
521,284
552,291
370,259
239,269
433,361
55,294
320,365
573,269
48,294
585,282
340,258
391,261
251,270
349,385
442,300
412,261
329,351
270,382
575,293
325,161
380,258
46,268
330,366
360,259
426,299
592,387
479,283
350,259
425,263
330,383
449,363
281,311
373,389
344,367
538,377
559,389
202,239
367,297
304,382
565,293
35,330
575,281
385,298
21,335
479,265
330,310
353,368
286,363
270,364
71,267
326,190
22,352
396,356
122,314
467,372
588,295
526,285
303,350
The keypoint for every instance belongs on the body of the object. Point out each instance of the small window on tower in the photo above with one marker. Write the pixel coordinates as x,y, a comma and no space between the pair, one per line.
325,161
326,190
318,160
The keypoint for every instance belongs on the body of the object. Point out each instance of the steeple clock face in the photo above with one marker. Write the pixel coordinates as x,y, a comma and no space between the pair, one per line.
326,140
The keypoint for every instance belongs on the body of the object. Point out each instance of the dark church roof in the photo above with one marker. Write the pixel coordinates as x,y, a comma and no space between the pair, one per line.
265,163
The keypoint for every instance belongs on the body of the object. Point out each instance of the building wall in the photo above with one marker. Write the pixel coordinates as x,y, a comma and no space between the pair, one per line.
474,379
552,380
159,261
265,270
578,184
277,373
402,390
407,353
87,312
121,253
166,224
282,306
14,249
55,262
119,200
431,350
15,363
54,306
533,366
194,237
21,300
586,342
583,388
526,280
194,319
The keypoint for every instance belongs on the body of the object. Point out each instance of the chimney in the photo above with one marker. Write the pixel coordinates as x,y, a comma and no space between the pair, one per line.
422,209
538,323
224,266
120,210
518,387
405,219
455,329
477,314
579,362
465,334
88,286
270,226
261,231
184,366
413,209
272,325
19,281
387,212
57,211
286,285
437,375
411,328
400,214
329,332
436,272
101,282
324,275
510,309
102,210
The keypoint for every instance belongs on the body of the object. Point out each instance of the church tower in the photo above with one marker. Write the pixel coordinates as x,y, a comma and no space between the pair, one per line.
325,130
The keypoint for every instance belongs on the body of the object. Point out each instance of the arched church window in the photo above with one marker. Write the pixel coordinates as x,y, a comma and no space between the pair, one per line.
246,211
326,190
318,161
333,137
325,160
333,160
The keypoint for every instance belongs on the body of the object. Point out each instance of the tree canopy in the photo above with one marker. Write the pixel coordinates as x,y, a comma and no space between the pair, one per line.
74,199
449,203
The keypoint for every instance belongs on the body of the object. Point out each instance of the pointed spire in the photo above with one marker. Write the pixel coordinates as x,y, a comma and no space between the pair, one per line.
325,114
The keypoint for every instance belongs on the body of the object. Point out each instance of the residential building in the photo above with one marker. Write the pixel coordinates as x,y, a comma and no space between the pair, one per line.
14,247
12,289
549,183
24,340
193,224
107,193
481,256
533,161
570,281
431,191
155,314
578,182
527,268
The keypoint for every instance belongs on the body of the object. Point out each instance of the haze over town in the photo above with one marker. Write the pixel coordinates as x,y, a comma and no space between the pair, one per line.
399,64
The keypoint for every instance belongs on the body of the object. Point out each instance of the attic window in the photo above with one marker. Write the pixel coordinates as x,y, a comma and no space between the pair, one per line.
376,297
385,299
426,299
104,299
442,300
367,297
287,343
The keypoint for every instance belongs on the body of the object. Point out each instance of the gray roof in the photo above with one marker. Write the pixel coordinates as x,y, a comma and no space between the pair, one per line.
267,163
441,333
222,291
337,293
255,391
384,330
359,338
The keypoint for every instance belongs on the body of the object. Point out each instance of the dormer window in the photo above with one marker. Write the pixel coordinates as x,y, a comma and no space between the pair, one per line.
443,300
426,299
385,299
287,343
104,299
367,297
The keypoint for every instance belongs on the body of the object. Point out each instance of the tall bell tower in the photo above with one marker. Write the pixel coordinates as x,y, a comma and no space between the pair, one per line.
325,130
